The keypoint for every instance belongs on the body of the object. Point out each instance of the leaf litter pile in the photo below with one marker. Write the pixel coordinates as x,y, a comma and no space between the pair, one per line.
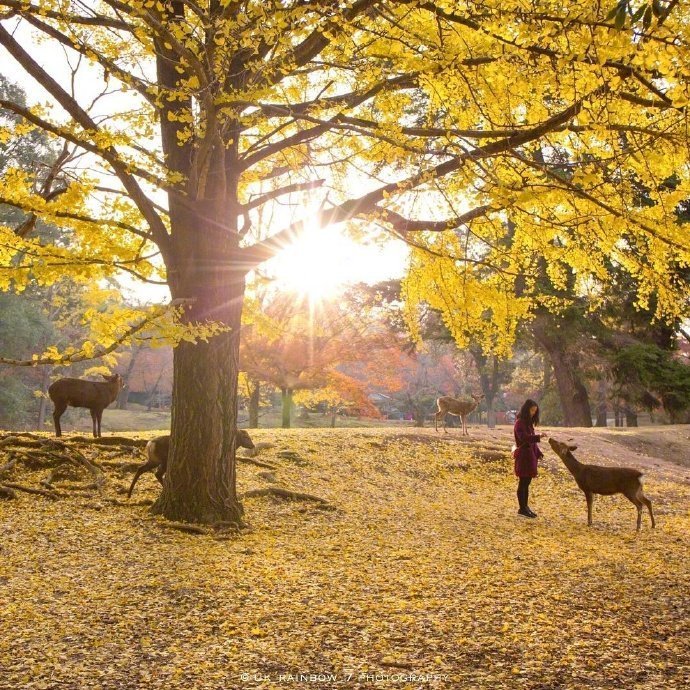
383,558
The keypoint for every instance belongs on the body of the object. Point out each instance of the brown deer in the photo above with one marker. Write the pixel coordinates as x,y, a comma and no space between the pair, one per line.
605,481
460,408
157,453
96,395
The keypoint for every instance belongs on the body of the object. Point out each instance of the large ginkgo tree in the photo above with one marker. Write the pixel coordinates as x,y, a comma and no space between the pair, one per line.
502,139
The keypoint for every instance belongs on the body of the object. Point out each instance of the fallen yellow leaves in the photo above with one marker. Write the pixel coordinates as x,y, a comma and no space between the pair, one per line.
423,577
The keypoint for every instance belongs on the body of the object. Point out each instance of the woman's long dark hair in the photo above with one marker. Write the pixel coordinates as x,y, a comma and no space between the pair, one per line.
524,414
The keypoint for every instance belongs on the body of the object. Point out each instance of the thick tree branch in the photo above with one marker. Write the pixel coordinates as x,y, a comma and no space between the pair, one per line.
403,225
262,251
275,193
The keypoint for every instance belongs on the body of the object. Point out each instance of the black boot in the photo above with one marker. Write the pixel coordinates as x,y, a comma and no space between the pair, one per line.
523,494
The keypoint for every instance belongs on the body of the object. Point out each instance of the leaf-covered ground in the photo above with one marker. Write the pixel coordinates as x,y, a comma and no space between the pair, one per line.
422,577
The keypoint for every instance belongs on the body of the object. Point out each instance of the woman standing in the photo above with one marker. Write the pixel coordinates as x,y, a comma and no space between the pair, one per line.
527,453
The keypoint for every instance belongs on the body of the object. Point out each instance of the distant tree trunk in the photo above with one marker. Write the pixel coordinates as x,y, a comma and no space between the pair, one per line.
547,372
43,405
333,416
602,407
630,417
124,393
286,395
154,390
491,376
254,399
566,369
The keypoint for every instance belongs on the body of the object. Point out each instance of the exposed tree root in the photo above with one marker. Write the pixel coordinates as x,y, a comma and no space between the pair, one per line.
290,455
184,527
258,447
219,529
6,493
33,440
110,441
287,494
258,463
8,465
54,495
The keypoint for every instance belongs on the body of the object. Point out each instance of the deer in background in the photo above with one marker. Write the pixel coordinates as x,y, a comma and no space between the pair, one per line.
96,395
157,450
605,481
460,408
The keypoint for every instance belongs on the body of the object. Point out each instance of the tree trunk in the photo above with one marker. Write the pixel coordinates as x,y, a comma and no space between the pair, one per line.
547,372
630,417
124,393
254,399
200,484
286,395
602,407
492,374
566,370
43,405
571,390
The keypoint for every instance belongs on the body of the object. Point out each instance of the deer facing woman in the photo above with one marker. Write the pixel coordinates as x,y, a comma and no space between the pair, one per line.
526,453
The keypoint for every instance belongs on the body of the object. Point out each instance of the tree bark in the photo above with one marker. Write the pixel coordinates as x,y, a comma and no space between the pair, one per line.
492,374
602,407
286,395
124,393
254,399
200,484
43,405
566,370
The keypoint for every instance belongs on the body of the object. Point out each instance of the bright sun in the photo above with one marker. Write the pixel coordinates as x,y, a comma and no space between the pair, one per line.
321,262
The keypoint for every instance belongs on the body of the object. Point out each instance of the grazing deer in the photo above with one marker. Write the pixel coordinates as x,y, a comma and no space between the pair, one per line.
96,395
605,481
157,453
461,408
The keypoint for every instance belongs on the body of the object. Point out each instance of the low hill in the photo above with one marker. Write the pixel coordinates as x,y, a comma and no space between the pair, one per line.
413,570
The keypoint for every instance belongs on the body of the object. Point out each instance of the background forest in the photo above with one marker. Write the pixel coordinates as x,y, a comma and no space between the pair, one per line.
605,360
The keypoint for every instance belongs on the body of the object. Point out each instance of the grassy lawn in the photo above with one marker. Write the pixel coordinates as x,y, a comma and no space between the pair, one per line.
138,418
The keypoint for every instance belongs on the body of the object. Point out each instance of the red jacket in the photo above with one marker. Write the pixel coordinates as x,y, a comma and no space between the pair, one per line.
527,455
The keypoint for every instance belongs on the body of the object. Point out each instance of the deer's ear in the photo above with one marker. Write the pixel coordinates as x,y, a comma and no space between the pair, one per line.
572,447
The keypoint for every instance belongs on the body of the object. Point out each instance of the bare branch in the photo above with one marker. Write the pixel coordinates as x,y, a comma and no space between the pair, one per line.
110,153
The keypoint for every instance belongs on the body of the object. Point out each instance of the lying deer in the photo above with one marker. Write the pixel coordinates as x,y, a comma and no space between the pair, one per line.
157,453
96,395
605,481
460,408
